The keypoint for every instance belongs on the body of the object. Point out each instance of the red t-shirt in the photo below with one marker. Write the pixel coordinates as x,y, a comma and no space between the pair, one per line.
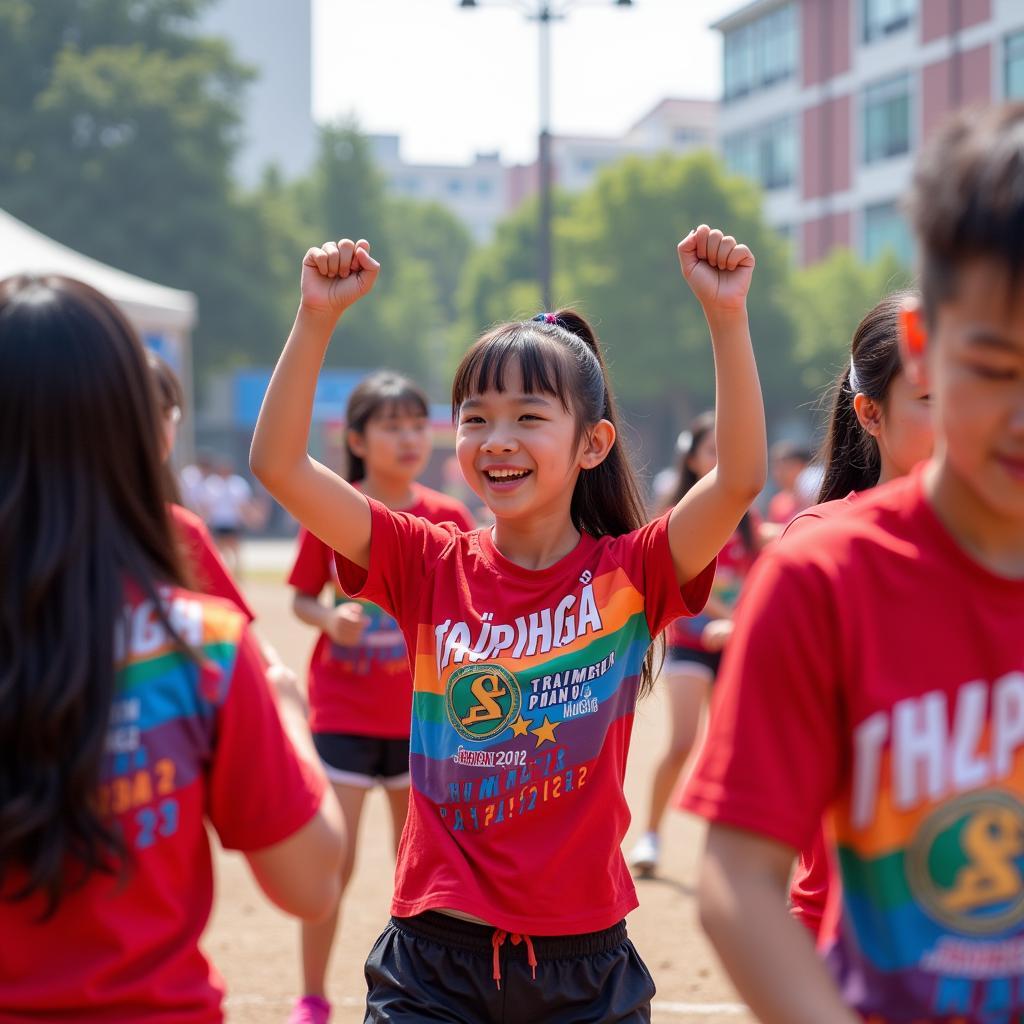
525,685
877,674
782,507
184,745
808,890
734,563
211,574
364,690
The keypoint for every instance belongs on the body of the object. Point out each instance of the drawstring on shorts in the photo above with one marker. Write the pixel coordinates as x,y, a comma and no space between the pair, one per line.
498,938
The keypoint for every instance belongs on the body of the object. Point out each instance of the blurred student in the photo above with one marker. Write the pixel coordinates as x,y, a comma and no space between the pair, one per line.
877,671
132,705
228,507
360,684
786,461
879,429
695,643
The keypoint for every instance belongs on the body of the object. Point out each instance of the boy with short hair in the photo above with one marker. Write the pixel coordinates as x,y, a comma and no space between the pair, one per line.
876,674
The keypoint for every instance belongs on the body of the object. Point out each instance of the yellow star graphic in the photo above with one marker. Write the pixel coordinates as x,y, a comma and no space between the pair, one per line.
521,726
545,731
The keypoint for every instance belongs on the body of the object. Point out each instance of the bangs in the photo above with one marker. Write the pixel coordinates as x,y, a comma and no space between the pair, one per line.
405,403
541,362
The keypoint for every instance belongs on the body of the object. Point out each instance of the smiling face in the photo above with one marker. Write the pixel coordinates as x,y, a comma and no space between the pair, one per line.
974,368
521,451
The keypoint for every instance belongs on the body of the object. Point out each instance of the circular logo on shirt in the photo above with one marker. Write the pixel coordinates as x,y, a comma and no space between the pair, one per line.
482,700
965,867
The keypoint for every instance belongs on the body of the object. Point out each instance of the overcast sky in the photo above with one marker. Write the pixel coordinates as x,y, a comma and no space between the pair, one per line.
454,82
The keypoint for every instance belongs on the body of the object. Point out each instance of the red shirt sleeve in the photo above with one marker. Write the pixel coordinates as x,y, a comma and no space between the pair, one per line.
647,558
311,571
463,519
211,574
261,791
403,550
772,758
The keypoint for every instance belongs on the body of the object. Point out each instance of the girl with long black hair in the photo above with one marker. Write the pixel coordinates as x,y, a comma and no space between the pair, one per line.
130,706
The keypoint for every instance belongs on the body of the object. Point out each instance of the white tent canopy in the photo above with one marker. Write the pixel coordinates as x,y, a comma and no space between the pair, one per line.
164,317
152,308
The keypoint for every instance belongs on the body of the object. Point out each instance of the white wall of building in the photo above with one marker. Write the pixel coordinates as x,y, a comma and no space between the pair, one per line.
274,37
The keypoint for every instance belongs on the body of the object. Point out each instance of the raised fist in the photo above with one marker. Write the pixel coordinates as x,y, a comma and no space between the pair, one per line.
716,268
336,274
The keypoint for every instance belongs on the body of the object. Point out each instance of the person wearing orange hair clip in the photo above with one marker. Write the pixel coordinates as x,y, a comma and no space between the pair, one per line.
876,672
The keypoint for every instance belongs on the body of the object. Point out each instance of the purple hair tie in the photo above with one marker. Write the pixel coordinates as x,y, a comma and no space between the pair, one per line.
550,318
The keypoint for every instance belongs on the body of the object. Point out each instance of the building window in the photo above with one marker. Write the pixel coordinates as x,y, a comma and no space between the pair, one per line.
1015,66
886,229
761,53
887,119
884,17
688,136
768,154
484,187
455,186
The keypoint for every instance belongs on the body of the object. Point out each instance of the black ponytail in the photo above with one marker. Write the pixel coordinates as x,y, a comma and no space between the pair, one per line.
558,353
849,454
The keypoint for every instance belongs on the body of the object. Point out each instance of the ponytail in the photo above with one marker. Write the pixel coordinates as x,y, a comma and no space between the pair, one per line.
849,454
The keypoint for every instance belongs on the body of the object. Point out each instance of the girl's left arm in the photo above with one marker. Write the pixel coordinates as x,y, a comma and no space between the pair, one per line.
719,272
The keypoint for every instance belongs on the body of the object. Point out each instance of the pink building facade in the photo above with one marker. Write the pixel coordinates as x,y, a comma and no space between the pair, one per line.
825,103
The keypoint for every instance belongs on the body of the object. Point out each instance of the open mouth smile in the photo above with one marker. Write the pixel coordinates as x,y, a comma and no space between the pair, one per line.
506,478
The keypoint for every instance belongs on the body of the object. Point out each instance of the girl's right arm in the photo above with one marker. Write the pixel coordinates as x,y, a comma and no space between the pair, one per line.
334,276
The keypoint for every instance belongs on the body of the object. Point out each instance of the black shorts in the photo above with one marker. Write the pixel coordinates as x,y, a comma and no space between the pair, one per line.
433,967
226,532
363,761
681,659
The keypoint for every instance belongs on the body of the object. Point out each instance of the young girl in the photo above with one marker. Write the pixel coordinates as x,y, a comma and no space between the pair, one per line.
879,429
529,643
885,649
695,643
130,706
360,687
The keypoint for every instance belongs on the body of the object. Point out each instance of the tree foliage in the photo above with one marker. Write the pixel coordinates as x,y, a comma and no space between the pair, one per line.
120,125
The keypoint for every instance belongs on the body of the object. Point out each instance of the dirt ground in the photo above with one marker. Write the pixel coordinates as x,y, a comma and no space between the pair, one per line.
256,948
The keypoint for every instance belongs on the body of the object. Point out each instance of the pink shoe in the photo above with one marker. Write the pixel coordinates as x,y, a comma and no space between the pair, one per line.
310,1010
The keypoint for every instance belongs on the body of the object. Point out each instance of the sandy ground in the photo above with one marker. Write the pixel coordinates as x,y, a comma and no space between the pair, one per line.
256,948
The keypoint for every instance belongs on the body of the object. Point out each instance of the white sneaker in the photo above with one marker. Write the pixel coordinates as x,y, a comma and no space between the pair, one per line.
644,857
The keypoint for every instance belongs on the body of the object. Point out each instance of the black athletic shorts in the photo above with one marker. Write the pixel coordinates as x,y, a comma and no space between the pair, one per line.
434,967
688,658
363,761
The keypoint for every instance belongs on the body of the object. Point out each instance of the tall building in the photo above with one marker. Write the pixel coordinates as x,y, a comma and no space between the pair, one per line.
276,39
825,103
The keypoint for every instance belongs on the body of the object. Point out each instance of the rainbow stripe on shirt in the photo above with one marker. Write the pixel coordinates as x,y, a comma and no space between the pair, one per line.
533,698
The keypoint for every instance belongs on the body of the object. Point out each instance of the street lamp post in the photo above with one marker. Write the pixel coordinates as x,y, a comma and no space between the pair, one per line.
544,12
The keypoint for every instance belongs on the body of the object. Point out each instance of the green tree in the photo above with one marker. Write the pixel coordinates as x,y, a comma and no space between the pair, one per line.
828,301
435,237
422,248
120,125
